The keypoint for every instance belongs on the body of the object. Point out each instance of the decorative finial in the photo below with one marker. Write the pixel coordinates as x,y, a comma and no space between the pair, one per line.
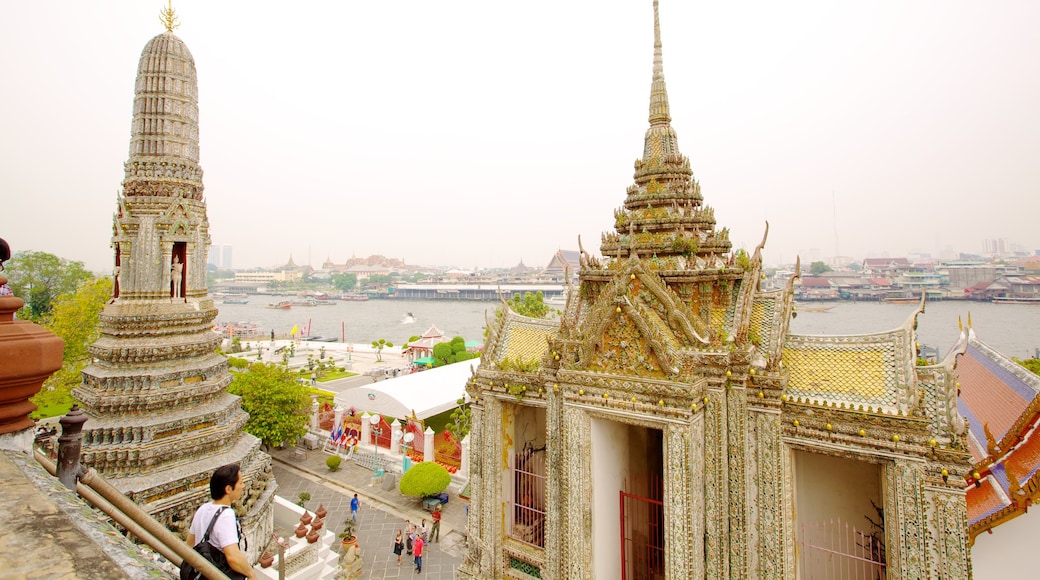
168,17
969,320
659,111
960,325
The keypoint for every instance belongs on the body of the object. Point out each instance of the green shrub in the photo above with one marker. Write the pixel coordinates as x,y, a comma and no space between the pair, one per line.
426,478
333,462
237,363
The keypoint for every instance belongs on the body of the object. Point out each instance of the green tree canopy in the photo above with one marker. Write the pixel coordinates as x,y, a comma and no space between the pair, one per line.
817,268
40,278
1032,364
344,282
453,351
460,420
379,345
531,305
276,403
426,478
74,318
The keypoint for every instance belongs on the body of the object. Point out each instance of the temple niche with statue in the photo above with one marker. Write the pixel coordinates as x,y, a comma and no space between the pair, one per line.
160,419
668,425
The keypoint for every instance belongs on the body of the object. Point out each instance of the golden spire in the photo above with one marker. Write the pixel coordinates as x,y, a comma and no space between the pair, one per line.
168,16
659,112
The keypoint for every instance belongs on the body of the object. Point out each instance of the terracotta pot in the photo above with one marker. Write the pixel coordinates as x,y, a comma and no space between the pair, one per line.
321,512
317,523
266,559
305,518
348,543
30,354
313,536
301,531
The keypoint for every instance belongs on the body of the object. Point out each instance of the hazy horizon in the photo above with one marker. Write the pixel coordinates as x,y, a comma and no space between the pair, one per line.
479,135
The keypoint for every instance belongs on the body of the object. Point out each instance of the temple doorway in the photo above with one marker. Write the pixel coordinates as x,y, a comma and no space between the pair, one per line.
839,518
628,528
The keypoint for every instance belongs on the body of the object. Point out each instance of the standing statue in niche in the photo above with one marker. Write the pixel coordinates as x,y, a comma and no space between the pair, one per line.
176,273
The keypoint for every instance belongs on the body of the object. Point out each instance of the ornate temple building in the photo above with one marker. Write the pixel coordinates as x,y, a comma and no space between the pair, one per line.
668,425
160,419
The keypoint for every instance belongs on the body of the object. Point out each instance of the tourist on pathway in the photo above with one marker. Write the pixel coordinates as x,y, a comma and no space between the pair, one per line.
225,486
354,505
418,549
398,546
435,532
425,536
409,534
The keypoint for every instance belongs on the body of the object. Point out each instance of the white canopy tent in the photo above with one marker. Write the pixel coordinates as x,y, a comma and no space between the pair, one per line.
425,393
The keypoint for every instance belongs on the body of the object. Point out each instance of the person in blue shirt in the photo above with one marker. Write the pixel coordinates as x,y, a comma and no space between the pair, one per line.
354,505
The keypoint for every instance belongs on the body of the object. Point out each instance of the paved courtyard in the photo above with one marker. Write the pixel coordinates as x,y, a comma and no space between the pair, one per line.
377,523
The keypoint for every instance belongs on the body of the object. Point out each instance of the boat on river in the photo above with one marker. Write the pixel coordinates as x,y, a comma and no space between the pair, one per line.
283,305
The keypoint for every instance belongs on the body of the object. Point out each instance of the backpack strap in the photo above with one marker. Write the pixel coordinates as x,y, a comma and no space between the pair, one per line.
213,522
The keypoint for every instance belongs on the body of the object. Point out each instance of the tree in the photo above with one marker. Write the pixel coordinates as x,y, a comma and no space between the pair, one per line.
74,318
531,305
276,403
344,282
817,268
460,420
426,478
379,345
1031,364
40,278
446,353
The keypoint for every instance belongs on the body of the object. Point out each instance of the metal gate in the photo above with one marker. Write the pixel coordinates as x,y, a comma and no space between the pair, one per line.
642,528
835,550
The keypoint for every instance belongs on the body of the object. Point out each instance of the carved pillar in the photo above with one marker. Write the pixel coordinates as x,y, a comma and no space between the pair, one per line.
395,437
716,486
577,555
736,455
948,533
766,525
682,546
555,538
905,519
696,484
491,512
471,564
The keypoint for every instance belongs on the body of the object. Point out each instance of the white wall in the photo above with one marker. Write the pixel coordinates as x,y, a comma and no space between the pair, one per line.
1009,552
610,465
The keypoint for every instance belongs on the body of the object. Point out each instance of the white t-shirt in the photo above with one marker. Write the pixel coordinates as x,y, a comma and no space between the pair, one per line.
225,531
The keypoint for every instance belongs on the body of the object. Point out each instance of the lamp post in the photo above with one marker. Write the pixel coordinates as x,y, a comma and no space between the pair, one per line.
377,431
406,462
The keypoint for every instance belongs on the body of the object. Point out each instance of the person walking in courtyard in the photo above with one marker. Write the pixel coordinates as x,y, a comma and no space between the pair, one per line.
355,503
417,549
398,546
435,532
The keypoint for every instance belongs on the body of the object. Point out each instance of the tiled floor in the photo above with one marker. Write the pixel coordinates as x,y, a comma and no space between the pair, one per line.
375,530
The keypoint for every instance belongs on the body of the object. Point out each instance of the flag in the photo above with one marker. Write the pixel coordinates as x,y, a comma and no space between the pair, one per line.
295,329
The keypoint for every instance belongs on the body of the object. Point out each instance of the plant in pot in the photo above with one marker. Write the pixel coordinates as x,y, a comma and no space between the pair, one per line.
348,537
305,497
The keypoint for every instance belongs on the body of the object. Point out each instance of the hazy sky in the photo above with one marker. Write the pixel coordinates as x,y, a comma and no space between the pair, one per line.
477,133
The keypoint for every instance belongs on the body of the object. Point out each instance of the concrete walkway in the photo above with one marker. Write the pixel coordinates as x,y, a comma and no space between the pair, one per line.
382,512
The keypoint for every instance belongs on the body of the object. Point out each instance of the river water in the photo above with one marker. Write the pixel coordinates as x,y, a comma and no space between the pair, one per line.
1012,329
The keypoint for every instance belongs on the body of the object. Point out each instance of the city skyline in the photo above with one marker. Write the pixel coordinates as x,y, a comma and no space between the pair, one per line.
475,135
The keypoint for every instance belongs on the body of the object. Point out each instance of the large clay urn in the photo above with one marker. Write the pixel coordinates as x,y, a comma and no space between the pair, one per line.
29,354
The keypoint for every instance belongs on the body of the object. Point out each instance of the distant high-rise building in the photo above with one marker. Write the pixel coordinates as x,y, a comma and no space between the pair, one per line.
996,246
220,256
160,418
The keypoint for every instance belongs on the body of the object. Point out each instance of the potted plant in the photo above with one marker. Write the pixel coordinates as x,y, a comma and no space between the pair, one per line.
304,498
348,537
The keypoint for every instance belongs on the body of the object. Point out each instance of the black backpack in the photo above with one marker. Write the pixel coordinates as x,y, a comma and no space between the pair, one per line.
211,553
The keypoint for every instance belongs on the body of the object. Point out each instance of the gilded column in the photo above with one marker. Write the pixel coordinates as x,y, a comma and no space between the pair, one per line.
555,538
766,546
736,420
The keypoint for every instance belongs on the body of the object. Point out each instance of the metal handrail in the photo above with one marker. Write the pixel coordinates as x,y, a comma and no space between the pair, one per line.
102,495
